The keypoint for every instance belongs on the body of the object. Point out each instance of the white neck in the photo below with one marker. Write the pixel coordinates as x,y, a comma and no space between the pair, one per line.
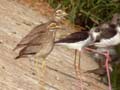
118,28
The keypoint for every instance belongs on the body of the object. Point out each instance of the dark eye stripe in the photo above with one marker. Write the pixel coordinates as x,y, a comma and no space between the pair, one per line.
112,26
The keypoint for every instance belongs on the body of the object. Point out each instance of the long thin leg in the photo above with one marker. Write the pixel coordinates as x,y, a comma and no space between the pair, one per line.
41,75
43,66
79,62
77,68
79,71
37,68
43,70
106,64
75,62
93,50
107,69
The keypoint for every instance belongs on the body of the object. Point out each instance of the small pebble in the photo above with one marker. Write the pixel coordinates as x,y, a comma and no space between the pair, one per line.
33,73
1,41
3,67
57,78
14,32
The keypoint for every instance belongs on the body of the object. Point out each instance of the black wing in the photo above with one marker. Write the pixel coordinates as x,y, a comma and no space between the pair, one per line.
74,37
107,32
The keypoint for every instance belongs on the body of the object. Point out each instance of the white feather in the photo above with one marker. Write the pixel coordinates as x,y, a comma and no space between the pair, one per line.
78,45
109,42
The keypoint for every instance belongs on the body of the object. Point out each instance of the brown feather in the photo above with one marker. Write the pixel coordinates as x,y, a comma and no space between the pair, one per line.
31,35
40,39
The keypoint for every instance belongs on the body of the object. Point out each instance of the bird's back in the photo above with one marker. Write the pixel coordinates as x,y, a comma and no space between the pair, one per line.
74,37
35,32
40,39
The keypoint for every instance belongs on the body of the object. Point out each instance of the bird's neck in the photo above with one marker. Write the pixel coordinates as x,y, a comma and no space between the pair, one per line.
118,28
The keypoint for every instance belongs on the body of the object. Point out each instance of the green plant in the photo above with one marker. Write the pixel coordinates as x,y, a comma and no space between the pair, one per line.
95,11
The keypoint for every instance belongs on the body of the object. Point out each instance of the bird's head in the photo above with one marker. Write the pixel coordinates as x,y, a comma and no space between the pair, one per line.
116,21
60,15
95,33
98,32
54,26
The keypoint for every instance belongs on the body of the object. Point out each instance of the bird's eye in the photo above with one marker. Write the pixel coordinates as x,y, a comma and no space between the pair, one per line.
97,30
61,13
58,11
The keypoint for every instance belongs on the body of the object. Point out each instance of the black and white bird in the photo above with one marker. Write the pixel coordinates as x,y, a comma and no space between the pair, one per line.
77,41
107,35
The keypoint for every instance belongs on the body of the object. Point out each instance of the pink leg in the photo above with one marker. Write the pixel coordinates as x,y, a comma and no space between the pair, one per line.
106,54
93,50
76,64
77,69
107,69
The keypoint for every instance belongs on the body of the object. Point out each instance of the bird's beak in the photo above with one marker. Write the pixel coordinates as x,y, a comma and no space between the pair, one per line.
62,14
58,27
95,36
65,14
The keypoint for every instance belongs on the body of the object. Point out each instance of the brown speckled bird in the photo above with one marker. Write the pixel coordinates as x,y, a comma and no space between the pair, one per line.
40,41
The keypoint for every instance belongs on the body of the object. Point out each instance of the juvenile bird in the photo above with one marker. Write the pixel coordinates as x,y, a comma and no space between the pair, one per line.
108,35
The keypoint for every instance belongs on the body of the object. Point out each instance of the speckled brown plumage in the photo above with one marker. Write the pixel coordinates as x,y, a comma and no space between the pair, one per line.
41,38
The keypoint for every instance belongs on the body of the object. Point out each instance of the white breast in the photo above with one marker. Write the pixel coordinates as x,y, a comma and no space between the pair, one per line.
109,42
77,45
118,29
